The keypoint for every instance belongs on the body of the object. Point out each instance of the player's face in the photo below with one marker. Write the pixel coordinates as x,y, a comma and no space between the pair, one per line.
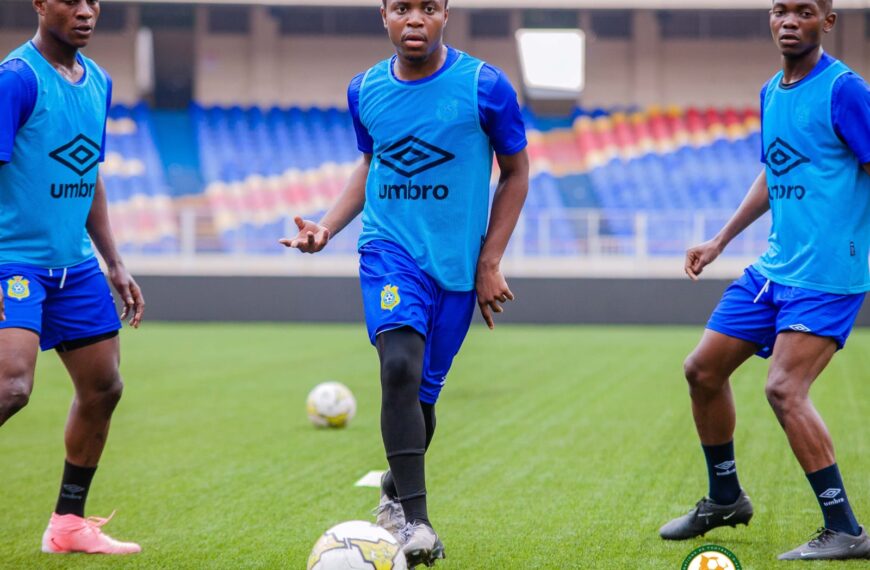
416,27
798,26
71,22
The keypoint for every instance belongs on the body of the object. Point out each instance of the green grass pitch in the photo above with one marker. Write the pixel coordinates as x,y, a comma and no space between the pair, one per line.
557,447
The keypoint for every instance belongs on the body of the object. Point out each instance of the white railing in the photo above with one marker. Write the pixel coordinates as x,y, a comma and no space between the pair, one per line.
563,233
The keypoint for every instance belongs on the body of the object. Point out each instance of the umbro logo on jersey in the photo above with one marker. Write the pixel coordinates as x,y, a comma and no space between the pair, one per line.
80,155
411,156
783,158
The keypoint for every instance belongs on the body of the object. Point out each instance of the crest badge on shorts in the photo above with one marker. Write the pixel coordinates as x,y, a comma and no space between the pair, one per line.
18,288
390,297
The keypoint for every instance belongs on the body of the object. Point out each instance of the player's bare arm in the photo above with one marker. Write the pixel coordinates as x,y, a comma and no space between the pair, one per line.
100,231
866,167
313,236
510,195
754,205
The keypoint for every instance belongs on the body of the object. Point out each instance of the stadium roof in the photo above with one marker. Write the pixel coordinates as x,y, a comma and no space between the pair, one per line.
563,4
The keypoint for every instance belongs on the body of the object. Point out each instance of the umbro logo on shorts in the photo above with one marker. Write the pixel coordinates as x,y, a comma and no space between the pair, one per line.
800,328
411,156
80,155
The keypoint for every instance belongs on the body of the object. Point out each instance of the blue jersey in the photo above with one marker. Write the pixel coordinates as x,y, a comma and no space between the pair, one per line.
819,193
51,143
498,109
428,184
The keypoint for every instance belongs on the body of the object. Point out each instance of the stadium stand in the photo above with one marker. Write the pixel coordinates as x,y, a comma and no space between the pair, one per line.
140,208
599,179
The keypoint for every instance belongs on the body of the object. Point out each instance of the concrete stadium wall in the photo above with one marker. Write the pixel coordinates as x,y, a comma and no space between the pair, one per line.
337,299
266,68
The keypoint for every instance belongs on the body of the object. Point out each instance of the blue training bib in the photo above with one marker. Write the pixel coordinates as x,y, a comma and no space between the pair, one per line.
428,185
47,189
819,194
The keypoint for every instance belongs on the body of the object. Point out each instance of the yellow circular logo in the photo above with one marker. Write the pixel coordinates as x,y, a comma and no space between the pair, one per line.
711,557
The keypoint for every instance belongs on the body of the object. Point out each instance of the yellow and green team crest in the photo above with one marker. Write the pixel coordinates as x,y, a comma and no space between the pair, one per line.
390,297
18,288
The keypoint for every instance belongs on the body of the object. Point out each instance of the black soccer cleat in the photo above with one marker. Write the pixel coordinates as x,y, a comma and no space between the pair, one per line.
706,516
831,545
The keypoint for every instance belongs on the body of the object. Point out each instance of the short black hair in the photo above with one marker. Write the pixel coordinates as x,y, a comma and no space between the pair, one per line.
827,6
384,2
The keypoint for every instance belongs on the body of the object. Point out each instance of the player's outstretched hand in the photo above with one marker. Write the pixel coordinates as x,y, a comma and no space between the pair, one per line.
699,257
312,237
131,295
492,292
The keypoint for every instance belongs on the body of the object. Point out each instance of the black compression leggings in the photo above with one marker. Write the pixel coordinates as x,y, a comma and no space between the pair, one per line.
407,425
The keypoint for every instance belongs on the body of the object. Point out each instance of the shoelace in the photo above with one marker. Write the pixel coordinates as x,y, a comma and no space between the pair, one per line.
98,522
407,531
697,509
821,536
390,506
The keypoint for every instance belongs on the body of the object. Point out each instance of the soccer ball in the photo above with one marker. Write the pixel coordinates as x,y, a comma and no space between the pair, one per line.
331,404
357,545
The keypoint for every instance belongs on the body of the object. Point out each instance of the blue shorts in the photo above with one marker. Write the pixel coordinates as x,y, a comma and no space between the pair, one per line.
756,310
396,293
60,305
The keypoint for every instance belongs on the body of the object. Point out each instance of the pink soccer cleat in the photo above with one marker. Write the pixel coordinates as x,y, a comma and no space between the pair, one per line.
71,533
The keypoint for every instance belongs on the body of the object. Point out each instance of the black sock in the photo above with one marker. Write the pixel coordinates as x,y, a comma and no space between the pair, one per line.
388,484
831,493
429,420
403,424
411,466
722,473
74,489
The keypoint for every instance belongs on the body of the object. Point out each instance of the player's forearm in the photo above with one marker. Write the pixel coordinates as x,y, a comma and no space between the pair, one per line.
100,229
351,201
754,205
510,195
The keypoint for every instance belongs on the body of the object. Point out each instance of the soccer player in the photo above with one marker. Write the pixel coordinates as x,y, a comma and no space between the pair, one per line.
427,122
53,106
798,303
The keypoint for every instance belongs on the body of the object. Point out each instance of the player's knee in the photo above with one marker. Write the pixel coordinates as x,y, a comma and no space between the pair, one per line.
780,396
14,393
105,396
699,375
397,372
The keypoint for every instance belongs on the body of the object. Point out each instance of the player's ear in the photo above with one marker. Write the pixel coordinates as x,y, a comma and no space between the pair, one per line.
39,7
384,12
830,21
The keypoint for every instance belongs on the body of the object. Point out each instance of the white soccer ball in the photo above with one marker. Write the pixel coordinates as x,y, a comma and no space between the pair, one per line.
357,545
331,404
